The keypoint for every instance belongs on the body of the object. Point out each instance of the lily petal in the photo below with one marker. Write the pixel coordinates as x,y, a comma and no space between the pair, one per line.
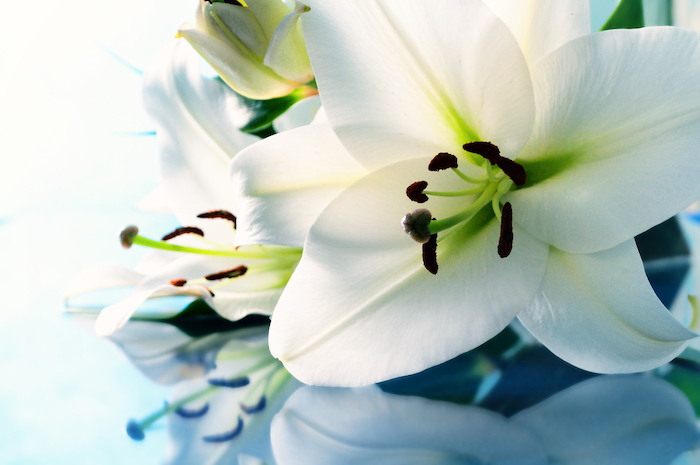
418,94
613,152
598,312
285,181
358,307
300,114
195,132
541,26
286,53
237,66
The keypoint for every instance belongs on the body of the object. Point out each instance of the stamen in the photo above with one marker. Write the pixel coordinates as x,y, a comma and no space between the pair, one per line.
415,191
181,231
513,170
505,242
184,413
430,254
485,149
126,237
178,282
416,225
220,214
230,383
259,407
442,161
223,437
233,273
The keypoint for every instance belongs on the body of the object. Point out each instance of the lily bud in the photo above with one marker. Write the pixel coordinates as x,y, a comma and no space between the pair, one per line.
257,46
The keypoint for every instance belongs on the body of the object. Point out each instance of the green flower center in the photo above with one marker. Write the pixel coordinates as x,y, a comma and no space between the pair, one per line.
500,176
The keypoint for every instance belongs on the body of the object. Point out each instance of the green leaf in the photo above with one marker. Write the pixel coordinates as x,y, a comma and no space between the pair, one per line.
263,112
629,14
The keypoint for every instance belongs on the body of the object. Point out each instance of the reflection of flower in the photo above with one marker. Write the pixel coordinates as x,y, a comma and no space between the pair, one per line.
257,46
617,420
598,138
227,410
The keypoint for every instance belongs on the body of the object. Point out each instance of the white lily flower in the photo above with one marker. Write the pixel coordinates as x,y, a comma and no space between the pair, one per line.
224,415
257,46
197,132
604,128
607,419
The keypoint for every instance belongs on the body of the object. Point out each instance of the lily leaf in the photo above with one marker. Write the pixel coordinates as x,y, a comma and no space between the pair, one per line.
263,112
629,14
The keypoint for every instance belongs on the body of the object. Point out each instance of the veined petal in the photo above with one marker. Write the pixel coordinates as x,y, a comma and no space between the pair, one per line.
361,308
598,312
541,26
238,68
284,182
269,13
237,305
615,146
196,135
242,22
396,86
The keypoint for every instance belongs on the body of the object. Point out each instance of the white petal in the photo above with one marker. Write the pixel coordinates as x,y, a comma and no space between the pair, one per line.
299,114
286,53
196,134
614,419
115,316
598,312
156,201
361,307
243,23
236,65
615,145
285,181
402,80
101,277
541,26
368,426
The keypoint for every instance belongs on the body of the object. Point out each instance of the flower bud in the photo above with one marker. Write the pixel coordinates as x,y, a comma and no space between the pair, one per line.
257,47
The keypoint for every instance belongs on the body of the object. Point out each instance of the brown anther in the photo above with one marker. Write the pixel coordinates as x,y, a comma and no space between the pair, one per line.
219,214
233,273
430,254
513,170
178,282
505,242
489,151
415,191
443,161
181,231
230,2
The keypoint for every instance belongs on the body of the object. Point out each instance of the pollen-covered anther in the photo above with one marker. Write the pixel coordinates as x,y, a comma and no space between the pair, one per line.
490,152
443,161
181,231
223,214
505,241
233,273
415,191
416,225
251,409
126,237
430,254
178,282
